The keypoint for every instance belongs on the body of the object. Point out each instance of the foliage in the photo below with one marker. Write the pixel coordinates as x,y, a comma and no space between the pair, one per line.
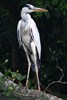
7,88
17,76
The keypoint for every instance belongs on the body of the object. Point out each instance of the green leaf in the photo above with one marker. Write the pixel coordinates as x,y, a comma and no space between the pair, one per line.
20,77
17,75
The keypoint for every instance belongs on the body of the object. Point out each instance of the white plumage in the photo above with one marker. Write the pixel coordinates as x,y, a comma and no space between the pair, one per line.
24,28
29,38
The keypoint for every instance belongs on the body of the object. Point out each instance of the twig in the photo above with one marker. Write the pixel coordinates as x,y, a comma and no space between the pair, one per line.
62,73
59,81
3,67
54,82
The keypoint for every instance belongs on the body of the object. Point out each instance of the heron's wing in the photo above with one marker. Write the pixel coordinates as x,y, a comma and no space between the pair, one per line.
36,37
18,33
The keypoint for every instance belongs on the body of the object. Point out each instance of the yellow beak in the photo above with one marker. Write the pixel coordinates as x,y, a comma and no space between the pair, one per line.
40,10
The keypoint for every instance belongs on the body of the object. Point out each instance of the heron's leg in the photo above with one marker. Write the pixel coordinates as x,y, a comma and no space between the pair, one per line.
36,69
35,63
29,65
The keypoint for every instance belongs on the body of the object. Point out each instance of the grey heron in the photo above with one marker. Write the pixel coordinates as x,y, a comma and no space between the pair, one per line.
29,38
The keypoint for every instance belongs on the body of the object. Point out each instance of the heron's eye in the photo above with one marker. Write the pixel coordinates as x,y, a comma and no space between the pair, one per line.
28,6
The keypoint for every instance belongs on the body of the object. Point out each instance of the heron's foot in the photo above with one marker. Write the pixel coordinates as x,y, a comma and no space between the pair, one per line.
26,86
25,90
39,90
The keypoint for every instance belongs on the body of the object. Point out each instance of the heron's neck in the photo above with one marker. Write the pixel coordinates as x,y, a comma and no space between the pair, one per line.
25,16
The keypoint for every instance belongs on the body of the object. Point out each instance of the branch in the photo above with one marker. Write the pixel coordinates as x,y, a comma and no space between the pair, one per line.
62,73
60,80
3,67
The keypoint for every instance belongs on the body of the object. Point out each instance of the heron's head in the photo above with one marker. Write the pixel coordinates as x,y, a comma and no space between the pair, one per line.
28,8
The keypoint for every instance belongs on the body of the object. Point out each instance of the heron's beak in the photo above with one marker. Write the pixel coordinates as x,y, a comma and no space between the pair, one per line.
40,10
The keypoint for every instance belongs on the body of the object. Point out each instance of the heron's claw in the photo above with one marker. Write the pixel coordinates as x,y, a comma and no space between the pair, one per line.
25,90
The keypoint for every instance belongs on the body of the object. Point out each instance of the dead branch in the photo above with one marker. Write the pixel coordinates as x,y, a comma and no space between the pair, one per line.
60,80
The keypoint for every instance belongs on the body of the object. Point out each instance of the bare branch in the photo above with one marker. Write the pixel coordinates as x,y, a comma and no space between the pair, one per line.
62,73
59,81
54,82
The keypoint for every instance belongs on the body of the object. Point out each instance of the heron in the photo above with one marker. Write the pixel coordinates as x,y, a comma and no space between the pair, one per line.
29,38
